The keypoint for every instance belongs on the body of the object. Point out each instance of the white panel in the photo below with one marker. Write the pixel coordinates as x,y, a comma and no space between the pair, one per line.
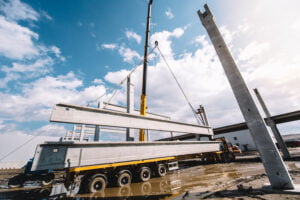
92,116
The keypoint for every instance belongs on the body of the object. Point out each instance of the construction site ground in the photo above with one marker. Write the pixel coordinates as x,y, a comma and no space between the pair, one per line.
243,179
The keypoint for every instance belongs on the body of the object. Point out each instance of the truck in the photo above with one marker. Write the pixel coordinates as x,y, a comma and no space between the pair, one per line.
115,163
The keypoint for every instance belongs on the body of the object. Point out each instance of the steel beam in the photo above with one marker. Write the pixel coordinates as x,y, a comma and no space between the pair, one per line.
74,114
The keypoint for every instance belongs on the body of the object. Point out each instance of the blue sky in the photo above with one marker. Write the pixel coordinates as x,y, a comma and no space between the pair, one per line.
74,51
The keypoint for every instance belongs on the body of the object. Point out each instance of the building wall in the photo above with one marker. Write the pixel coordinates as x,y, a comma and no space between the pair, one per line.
241,138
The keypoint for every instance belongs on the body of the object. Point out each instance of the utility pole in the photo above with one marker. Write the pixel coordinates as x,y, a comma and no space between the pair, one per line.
144,86
273,126
275,168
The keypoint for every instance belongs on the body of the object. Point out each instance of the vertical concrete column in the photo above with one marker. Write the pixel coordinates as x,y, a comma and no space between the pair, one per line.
275,168
97,135
73,132
130,107
82,132
271,123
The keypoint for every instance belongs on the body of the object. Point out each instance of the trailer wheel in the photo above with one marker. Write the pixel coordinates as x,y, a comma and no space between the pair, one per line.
48,179
144,174
161,170
17,181
96,183
124,178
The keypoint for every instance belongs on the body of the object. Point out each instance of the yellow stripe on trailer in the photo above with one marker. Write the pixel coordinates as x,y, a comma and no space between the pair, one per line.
78,169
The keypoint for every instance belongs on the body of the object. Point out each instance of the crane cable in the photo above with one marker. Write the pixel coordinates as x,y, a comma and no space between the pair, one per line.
20,146
116,89
180,87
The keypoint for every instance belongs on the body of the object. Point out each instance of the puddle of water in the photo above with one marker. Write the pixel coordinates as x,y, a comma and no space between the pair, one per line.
203,178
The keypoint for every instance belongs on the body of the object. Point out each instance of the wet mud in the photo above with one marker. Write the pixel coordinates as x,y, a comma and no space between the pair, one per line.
193,180
201,177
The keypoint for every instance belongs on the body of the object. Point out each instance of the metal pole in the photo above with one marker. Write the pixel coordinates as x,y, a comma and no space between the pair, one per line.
276,170
144,86
273,127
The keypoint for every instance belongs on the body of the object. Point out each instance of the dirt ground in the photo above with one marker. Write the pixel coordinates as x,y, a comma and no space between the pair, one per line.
244,179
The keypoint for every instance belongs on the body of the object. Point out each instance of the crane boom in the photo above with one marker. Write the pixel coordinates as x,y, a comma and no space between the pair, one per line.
144,86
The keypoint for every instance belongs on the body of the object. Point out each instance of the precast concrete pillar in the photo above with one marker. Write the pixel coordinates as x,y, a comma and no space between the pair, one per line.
272,125
130,107
275,168
97,136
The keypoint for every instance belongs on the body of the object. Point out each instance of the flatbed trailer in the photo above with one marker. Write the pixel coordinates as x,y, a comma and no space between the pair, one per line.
93,165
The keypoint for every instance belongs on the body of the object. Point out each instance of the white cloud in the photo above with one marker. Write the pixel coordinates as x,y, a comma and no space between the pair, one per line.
98,81
109,46
133,35
16,10
17,42
51,130
23,71
17,138
201,76
128,54
164,40
40,66
37,98
57,52
116,77
169,13
252,50
8,77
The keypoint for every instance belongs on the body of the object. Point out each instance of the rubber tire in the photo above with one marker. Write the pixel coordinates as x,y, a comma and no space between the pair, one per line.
44,193
48,179
123,179
96,184
144,174
161,170
16,181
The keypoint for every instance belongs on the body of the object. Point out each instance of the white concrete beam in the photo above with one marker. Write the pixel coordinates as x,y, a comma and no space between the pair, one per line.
92,116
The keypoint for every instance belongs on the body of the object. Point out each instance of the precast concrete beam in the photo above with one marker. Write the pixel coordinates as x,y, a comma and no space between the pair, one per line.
66,113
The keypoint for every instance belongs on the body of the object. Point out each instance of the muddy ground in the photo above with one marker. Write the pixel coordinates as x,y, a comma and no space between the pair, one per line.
244,179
